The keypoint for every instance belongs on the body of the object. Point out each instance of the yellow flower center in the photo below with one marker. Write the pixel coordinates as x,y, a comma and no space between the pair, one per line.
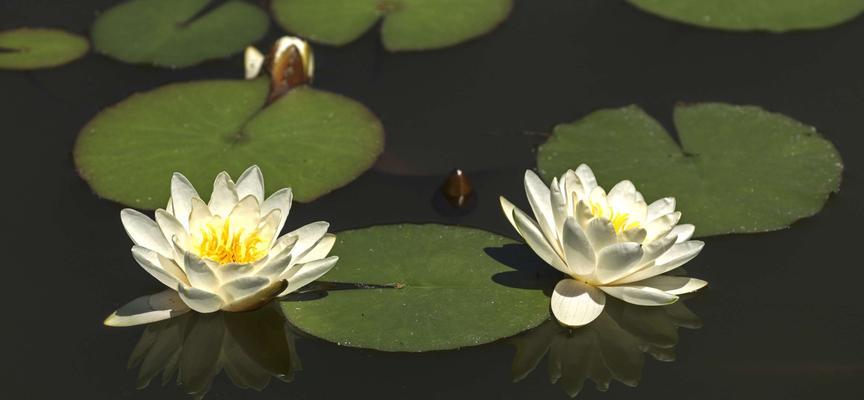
219,242
620,220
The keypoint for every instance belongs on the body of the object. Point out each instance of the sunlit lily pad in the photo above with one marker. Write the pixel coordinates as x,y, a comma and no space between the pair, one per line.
762,15
407,24
173,33
310,140
738,169
34,48
455,287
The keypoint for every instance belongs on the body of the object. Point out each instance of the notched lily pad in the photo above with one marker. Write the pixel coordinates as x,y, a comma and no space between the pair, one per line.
173,33
455,287
760,15
738,169
34,48
310,140
407,24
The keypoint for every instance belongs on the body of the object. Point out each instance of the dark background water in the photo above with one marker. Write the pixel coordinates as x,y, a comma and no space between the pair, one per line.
783,316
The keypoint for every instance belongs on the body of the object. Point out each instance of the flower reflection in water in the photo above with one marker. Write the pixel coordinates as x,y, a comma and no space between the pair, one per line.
610,348
251,347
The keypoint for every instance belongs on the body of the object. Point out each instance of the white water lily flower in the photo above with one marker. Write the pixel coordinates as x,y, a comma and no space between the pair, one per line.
614,244
221,255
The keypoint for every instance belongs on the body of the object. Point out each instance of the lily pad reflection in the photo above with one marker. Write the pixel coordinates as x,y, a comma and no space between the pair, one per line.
251,347
609,349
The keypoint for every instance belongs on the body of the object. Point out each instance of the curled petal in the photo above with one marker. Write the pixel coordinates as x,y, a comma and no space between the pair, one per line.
535,239
660,208
307,273
617,260
281,200
577,249
678,255
676,285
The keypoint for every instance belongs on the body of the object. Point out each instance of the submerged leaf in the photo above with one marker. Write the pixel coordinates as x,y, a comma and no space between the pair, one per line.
738,168
452,287
762,15
173,33
408,24
34,48
310,140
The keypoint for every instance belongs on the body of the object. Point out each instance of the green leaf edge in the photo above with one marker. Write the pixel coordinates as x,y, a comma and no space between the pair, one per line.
83,132
81,40
388,46
547,177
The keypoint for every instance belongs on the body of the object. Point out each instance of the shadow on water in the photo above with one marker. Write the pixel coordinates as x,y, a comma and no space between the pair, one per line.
529,271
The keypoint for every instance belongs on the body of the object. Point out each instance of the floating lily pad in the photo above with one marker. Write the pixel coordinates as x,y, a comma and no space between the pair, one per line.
738,169
407,25
34,48
455,288
310,140
173,33
749,15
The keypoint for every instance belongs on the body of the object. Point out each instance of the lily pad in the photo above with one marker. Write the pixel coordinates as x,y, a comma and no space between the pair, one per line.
34,48
749,15
454,287
738,169
173,33
310,140
407,24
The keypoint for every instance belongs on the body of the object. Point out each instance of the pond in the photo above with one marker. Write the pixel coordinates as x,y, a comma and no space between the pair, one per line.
782,316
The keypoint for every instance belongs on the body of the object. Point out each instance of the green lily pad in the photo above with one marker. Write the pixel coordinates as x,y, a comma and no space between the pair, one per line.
749,15
454,288
310,140
34,48
175,34
408,24
738,169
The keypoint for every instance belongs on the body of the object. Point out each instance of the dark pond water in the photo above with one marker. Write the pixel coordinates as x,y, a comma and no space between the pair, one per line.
782,318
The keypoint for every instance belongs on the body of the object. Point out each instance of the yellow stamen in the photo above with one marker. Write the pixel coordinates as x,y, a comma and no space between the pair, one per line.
620,221
217,241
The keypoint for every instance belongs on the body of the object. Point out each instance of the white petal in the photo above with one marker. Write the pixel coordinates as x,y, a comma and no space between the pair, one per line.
200,300
571,185
617,260
535,239
246,211
200,215
241,288
640,295
308,273
678,255
319,250
676,285
540,199
200,274
149,260
145,232
575,303
307,237
583,213
684,232
622,195
600,233
258,298
267,226
171,227
660,208
559,210
586,177
507,207
231,271
636,235
281,200
251,183
182,193
662,226
144,310
577,249
656,249
224,197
